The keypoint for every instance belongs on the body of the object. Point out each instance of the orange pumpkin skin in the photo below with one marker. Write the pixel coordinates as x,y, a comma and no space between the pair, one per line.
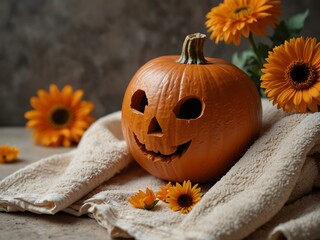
189,121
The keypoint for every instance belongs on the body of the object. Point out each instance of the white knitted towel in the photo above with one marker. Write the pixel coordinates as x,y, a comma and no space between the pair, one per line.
272,192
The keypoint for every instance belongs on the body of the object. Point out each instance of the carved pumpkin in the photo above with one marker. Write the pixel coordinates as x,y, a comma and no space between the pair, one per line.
190,117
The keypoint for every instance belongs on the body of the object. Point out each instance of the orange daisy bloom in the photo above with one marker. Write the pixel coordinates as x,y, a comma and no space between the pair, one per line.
292,75
8,154
235,18
59,117
163,193
145,200
183,198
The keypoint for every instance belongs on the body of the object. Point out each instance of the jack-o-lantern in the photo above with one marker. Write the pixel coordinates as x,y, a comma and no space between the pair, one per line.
190,117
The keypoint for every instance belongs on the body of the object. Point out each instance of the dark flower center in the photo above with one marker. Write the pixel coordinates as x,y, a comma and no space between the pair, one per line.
60,117
300,74
185,200
241,9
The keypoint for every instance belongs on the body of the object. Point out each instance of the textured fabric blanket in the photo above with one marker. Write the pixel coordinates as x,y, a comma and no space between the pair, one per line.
270,193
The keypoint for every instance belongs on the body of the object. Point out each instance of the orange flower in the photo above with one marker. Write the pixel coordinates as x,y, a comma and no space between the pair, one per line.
234,18
8,154
59,117
292,75
163,193
183,198
145,200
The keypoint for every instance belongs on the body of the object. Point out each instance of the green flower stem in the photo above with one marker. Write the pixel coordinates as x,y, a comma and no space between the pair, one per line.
255,50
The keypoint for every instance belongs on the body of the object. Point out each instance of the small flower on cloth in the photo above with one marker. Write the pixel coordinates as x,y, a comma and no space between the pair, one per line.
163,193
183,197
179,197
145,200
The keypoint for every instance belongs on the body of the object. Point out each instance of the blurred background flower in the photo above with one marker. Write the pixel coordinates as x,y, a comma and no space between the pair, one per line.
8,154
59,118
231,20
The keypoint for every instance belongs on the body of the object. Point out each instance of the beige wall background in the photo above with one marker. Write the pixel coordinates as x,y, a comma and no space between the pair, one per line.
98,45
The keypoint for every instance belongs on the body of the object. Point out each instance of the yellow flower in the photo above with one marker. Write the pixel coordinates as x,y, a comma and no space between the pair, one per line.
59,117
234,18
145,200
183,198
292,75
163,193
8,154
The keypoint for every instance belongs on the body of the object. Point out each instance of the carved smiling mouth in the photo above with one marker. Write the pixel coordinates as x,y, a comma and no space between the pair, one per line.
181,149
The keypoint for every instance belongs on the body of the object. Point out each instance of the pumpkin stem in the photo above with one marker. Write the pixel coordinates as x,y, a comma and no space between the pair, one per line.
192,49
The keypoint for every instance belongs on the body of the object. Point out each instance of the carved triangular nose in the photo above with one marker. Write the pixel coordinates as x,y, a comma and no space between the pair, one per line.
155,128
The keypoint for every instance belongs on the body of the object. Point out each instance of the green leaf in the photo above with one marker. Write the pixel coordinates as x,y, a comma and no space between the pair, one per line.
247,61
295,23
241,60
255,74
280,34
285,30
263,50
289,28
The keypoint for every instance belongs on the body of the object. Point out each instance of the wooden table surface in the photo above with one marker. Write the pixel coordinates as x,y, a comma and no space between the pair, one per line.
31,226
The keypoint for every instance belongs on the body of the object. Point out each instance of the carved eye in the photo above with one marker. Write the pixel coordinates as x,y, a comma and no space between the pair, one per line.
188,108
139,101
